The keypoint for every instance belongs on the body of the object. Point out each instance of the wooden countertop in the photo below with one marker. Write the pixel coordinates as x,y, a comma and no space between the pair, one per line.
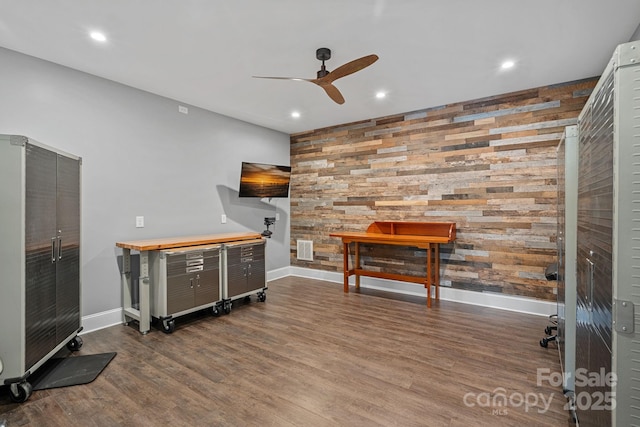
177,242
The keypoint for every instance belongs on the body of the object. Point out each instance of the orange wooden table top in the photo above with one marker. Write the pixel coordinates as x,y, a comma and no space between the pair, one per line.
402,233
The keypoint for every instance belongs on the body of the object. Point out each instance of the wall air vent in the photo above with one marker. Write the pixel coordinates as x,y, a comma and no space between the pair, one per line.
305,250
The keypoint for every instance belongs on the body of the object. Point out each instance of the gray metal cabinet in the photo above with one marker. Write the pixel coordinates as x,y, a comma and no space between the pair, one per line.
608,248
245,271
39,257
185,280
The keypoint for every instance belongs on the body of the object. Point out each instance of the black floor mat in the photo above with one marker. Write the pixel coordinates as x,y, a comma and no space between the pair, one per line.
67,371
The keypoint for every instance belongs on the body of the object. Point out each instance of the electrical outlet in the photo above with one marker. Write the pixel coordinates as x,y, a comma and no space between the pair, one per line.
182,109
139,222
223,219
277,216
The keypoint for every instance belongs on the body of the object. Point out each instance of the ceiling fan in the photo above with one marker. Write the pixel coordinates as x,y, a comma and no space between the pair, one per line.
326,78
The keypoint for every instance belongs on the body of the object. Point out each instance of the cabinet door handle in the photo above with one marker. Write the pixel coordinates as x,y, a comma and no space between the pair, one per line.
198,280
590,283
59,248
191,282
249,270
560,250
53,250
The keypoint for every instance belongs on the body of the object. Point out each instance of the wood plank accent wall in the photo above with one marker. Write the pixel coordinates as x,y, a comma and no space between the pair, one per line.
489,165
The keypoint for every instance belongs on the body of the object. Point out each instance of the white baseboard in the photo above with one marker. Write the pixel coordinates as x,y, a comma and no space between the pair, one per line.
484,299
96,321
278,273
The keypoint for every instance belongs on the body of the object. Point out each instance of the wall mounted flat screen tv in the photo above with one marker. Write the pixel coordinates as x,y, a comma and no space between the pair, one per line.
264,180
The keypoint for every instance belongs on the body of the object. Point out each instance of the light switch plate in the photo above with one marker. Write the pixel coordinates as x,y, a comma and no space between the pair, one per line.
139,222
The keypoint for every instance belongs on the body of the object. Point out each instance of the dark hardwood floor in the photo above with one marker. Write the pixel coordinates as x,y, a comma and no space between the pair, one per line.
312,356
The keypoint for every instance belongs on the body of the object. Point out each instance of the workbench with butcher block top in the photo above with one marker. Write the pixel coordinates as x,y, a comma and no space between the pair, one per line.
143,313
422,235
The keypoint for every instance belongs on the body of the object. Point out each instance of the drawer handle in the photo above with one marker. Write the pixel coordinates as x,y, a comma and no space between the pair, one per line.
194,269
195,262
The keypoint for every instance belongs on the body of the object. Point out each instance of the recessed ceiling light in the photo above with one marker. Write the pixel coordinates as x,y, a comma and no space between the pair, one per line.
381,95
98,36
507,64
295,114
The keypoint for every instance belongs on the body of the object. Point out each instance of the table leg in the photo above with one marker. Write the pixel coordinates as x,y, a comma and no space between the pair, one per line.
357,264
143,313
436,273
125,281
144,293
428,284
346,267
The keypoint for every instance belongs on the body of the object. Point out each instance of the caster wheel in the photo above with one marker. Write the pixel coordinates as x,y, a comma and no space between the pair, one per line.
215,311
544,342
227,308
262,297
247,298
75,343
168,326
20,392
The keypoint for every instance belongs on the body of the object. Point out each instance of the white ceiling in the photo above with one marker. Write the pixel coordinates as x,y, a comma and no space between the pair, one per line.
432,52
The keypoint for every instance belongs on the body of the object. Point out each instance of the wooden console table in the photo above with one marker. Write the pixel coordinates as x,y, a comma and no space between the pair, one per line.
423,235
143,313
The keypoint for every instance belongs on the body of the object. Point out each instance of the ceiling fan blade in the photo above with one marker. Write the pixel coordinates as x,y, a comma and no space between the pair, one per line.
299,79
350,68
331,90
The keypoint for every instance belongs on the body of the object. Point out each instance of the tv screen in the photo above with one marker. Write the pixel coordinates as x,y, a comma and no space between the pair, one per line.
264,180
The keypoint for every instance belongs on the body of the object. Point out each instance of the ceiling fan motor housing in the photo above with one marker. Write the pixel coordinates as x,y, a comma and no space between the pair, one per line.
323,54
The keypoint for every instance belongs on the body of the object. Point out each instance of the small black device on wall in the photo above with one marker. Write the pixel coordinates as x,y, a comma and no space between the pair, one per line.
268,221
264,180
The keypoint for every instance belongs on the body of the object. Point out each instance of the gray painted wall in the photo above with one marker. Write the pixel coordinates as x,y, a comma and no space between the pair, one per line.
141,157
